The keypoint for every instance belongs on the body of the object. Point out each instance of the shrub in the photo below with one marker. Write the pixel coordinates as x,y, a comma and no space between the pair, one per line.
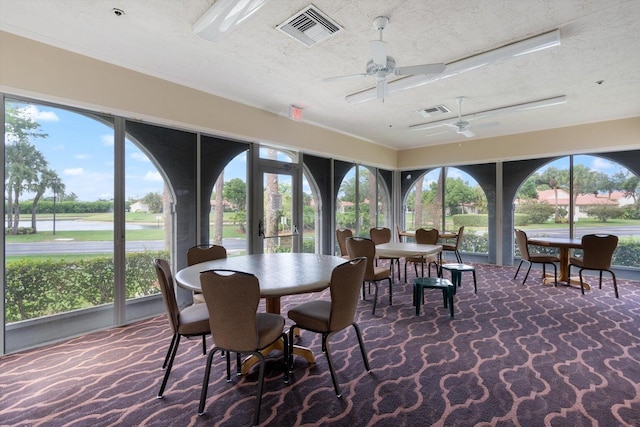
44,287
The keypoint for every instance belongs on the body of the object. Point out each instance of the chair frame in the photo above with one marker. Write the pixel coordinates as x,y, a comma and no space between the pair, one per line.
384,235
252,299
525,255
166,283
424,236
326,334
454,248
606,242
370,253
341,236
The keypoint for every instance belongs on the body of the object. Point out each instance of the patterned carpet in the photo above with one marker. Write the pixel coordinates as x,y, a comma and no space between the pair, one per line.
514,355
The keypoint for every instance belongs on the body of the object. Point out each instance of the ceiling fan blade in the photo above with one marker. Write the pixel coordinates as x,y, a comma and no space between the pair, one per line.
379,52
467,133
348,76
420,69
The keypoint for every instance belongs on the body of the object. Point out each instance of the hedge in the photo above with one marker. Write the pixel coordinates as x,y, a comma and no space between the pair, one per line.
41,288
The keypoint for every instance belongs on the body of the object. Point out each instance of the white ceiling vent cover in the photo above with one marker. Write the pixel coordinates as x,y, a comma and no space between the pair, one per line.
434,111
309,26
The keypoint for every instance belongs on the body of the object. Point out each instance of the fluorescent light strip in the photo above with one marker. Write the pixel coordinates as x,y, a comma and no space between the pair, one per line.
497,112
533,44
224,16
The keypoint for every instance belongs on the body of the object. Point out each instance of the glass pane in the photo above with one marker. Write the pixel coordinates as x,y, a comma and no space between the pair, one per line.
424,202
279,155
59,211
542,203
605,198
148,222
310,217
367,196
466,205
228,226
278,213
346,202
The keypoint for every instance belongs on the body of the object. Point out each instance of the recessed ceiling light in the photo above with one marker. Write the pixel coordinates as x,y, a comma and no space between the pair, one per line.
117,12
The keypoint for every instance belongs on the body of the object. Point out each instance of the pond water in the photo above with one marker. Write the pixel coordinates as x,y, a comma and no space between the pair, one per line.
65,225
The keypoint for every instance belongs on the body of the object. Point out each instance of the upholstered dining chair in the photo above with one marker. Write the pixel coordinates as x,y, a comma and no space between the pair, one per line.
232,298
428,237
525,255
381,235
329,317
342,234
597,254
192,321
202,253
454,247
363,247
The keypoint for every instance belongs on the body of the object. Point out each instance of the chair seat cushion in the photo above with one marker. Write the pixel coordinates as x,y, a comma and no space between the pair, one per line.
194,320
269,327
544,258
575,261
313,315
380,273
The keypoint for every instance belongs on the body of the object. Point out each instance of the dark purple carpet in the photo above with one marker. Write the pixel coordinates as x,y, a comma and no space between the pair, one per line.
529,355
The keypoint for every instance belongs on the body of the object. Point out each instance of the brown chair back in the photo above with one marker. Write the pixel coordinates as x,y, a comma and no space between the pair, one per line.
198,254
362,247
598,250
343,234
427,236
380,235
523,244
346,280
165,281
459,238
232,298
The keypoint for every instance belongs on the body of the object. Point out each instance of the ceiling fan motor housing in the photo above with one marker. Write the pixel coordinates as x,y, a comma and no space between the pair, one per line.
373,68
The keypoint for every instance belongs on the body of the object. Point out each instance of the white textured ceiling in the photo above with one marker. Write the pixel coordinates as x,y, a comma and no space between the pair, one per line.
260,66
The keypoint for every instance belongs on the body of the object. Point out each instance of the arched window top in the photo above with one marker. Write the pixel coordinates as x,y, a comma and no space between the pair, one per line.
280,155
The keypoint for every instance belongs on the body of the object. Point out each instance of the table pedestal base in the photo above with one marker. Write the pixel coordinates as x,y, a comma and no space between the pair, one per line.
298,350
574,282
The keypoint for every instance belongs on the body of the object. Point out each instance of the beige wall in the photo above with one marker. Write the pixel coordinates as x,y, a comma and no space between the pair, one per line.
34,69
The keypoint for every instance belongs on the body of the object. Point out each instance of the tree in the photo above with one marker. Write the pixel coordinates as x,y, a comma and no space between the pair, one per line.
457,194
235,192
153,202
604,212
23,162
528,189
48,179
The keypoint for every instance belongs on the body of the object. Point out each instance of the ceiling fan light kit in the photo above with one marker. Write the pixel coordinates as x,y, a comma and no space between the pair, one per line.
523,47
223,16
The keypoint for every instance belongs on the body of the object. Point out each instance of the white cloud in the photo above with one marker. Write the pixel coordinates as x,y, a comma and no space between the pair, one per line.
74,171
153,176
83,156
602,165
37,115
107,139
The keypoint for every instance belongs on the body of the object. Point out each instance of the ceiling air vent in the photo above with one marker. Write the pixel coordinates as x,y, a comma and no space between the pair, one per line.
434,111
309,26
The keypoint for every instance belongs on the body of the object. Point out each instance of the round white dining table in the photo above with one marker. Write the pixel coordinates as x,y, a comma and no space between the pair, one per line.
279,274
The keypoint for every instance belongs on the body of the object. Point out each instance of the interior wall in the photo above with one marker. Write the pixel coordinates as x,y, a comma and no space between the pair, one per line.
34,69
615,135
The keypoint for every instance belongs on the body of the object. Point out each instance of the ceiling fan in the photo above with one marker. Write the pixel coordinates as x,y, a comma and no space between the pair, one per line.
461,127
381,65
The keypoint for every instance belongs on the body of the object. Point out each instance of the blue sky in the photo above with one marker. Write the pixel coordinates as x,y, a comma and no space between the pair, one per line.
80,150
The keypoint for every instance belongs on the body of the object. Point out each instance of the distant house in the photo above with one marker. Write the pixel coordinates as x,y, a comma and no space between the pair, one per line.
583,201
139,207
